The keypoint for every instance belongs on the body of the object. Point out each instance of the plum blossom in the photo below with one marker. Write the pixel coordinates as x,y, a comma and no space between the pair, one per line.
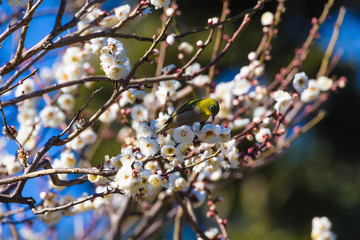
300,82
183,134
283,100
160,3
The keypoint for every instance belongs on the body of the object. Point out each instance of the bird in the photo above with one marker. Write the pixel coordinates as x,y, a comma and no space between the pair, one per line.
199,110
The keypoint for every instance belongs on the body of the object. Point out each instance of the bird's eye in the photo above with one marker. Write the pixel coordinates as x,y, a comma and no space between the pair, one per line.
212,108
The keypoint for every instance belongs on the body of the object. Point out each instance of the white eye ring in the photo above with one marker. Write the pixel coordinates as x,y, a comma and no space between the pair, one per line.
212,108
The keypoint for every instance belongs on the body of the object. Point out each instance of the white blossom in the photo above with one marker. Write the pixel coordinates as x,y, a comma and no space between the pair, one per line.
88,136
283,100
267,18
183,134
180,184
170,39
76,144
66,101
139,113
142,130
183,149
241,86
27,116
311,93
209,133
300,82
239,123
113,60
192,69
26,87
186,47
324,83
155,180
12,165
127,181
168,150
127,156
122,12
321,229
68,159
225,134
52,116
211,233
200,80
262,134
170,86
169,11
108,116
160,3
148,146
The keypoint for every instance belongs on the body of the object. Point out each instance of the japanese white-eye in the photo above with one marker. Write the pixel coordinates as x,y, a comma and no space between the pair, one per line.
194,111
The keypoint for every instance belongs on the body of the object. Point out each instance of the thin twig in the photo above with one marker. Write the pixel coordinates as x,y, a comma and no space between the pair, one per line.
76,202
333,40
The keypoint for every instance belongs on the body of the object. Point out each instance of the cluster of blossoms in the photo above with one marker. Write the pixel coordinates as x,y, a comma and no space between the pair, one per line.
208,148
321,229
51,199
248,94
8,163
27,116
200,80
72,67
113,60
119,14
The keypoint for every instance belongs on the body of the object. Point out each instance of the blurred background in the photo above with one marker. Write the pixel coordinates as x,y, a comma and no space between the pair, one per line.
318,175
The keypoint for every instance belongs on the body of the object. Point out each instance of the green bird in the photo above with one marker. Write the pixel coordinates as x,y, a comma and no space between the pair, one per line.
194,111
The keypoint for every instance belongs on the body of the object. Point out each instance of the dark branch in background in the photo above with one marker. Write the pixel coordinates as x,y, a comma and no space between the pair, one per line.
23,36
76,202
77,116
24,21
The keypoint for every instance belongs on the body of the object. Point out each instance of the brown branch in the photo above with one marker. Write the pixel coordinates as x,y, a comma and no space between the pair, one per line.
76,202
217,43
333,40
20,82
65,41
121,216
245,21
24,21
12,226
23,36
212,206
179,224
53,171
149,216
44,43
76,118
22,70
286,76
59,15
198,52
8,130
158,224
250,11
192,221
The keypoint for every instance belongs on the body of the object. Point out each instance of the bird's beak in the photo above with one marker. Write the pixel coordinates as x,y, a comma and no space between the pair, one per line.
213,117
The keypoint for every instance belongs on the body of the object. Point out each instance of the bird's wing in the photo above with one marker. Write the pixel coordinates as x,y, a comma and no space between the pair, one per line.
187,106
